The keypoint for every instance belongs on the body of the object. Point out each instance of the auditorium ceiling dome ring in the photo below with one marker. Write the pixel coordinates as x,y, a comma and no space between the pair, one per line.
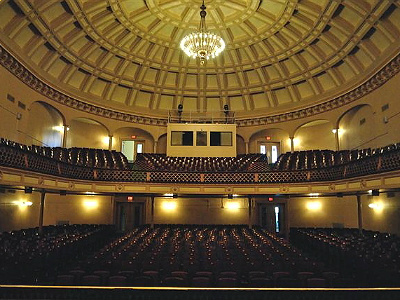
280,56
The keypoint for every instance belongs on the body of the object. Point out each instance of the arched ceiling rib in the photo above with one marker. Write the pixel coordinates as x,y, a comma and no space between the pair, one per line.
281,54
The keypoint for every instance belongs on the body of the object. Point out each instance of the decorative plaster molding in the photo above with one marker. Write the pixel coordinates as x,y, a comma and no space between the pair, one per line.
26,76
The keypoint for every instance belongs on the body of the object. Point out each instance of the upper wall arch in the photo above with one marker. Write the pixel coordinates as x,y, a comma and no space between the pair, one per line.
44,125
48,107
352,110
312,123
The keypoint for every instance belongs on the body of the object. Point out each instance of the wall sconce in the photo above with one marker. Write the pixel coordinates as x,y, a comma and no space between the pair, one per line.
91,204
23,203
169,205
314,205
232,205
376,206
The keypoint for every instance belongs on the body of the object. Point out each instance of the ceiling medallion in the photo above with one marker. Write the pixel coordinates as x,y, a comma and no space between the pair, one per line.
202,43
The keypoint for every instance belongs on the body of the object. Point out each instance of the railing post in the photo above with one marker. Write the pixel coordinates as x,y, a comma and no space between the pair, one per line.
250,221
152,212
359,213
110,142
291,144
41,212
64,140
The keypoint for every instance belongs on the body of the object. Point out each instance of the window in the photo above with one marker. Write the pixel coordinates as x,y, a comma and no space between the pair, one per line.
220,138
182,138
274,150
263,149
139,148
277,229
201,138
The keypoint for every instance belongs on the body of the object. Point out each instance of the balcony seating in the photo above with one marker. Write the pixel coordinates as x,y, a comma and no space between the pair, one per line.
317,159
161,162
85,157
104,165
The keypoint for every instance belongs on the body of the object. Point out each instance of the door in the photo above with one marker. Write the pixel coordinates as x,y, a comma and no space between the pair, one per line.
271,150
129,215
272,218
130,148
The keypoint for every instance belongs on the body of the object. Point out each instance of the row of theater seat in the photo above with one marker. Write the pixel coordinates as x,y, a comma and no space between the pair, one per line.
315,159
371,256
241,163
87,157
41,254
200,256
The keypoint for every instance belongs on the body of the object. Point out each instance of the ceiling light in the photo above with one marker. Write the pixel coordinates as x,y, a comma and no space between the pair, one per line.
202,43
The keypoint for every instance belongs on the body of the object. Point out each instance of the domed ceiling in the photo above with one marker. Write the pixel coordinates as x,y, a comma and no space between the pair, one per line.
280,55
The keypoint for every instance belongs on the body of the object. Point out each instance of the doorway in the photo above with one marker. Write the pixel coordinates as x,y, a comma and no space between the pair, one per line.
271,149
130,148
272,218
129,215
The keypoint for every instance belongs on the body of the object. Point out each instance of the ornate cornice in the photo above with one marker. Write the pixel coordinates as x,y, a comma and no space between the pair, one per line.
20,71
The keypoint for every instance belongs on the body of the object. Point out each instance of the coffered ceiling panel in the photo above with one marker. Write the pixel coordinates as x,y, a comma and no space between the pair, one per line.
280,54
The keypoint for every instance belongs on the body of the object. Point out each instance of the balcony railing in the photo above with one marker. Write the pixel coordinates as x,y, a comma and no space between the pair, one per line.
210,117
16,157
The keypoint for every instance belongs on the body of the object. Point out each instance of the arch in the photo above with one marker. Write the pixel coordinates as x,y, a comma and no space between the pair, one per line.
45,125
351,110
357,127
240,145
162,144
312,123
277,135
87,133
124,133
315,134
49,106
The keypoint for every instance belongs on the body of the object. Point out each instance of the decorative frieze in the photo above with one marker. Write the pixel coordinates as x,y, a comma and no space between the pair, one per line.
16,68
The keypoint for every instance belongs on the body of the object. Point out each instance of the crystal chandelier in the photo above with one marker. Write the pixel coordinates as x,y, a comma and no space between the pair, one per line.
202,43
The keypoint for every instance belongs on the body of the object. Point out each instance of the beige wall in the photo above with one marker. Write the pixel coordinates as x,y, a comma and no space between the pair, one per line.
315,135
87,134
8,120
200,211
384,219
14,216
100,210
77,209
355,128
46,125
332,210
162,144
240,145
